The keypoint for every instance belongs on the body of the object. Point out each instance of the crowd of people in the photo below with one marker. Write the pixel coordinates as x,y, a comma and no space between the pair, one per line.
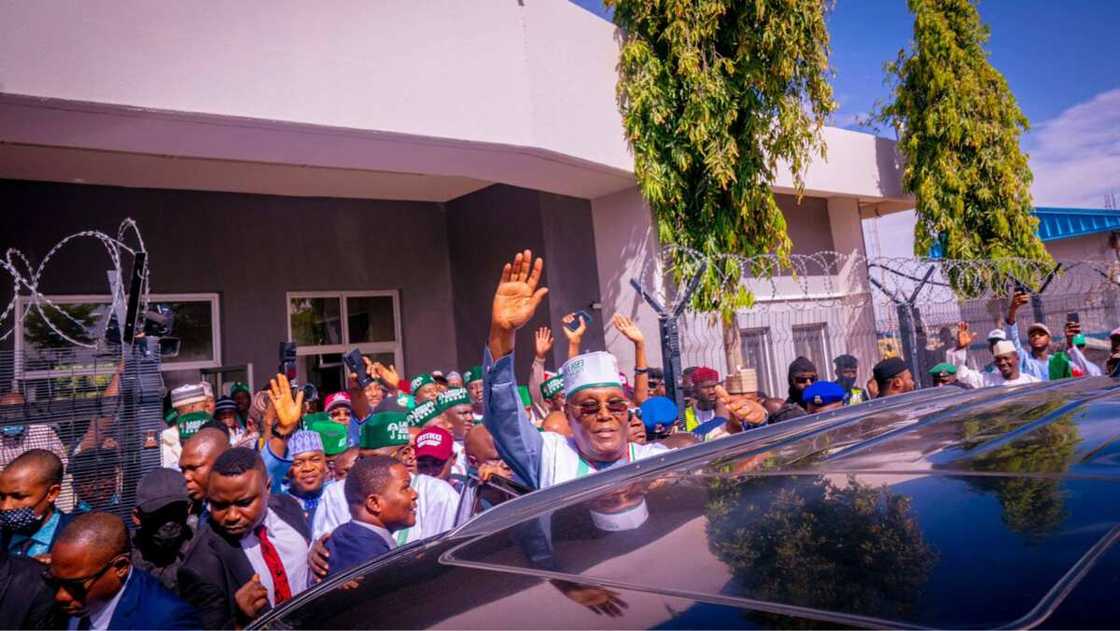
261,495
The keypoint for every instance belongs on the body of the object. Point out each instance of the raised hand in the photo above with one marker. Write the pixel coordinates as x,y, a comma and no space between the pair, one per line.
288,409
377,370
964,336
518,296
515,301
575,338
1018,300
628,329
543,342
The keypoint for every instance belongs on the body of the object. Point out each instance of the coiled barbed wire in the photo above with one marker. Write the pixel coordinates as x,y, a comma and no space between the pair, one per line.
26,278
828,278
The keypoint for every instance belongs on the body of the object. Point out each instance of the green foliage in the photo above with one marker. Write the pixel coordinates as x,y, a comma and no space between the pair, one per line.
959,128
716,96
804,540
79,326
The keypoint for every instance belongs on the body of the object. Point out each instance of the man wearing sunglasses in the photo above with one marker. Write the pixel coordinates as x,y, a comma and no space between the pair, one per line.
802,374
95,584
596,406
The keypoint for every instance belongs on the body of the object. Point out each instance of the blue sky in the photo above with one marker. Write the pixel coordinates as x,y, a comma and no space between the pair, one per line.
1060,59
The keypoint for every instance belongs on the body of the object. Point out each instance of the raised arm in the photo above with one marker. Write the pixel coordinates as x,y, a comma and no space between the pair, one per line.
542,346
515,301
959,358
575,338
289,410
630,331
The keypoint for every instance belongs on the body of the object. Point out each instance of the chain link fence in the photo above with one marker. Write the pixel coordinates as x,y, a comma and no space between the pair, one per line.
827,304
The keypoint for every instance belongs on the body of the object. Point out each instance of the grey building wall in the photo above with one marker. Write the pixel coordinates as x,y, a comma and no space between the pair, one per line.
486,229
251,249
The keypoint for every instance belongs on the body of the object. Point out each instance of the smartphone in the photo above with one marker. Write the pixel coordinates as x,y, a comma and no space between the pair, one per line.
1073,317
354,362
580,315
288,360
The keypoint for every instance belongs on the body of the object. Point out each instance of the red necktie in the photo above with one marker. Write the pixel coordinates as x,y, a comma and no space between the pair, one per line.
275,567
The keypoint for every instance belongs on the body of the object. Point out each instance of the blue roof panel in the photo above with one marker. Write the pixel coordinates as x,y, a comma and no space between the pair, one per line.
1065,223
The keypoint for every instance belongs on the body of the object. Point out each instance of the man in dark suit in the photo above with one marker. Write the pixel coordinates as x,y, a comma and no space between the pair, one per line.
95,584
382,501
25,600
252,552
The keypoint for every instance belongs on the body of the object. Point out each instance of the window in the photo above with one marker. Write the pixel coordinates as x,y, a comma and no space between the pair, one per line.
327,324
756,354
810,340
84,319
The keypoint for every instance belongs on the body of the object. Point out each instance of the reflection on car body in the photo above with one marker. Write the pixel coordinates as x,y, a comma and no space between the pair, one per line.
941,508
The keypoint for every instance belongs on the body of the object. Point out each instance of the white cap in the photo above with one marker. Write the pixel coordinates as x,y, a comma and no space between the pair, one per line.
997,334
1038,326
187,394
590,370
1003,348
630,518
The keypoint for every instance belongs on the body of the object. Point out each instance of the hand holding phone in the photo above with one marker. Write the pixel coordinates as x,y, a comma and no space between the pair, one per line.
354,362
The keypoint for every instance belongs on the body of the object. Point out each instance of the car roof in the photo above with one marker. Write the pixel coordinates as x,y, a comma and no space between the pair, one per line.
880,514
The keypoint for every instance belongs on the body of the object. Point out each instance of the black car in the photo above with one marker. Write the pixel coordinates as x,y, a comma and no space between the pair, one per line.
942,508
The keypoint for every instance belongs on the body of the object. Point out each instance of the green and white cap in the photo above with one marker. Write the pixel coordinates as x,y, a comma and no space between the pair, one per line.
384,429
590,370
420,381
190,423
552,386
472,375
334,435
423,413
456,396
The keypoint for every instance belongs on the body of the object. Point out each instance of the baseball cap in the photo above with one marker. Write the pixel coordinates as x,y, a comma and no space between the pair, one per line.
337,400
158,488
997,335
434,442
1038,326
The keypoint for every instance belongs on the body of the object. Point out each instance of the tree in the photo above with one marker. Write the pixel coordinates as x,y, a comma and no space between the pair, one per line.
716,96
958,130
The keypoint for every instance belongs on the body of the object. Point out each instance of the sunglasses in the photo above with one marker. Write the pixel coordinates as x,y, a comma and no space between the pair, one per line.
76,587
616,407
804,379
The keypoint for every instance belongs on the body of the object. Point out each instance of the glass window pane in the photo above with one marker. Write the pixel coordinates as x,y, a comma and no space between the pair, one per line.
808,341
755,342
370,319
315,321
82,322
193,324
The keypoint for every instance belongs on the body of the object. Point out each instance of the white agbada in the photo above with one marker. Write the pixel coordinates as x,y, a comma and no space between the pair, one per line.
436,506
983,379
561,462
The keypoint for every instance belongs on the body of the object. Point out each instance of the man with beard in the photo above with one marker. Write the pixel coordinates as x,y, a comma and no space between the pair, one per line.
596,406
200,453
802,374
892,376
308,474
1008,369
98,588
847,372
253,554
162,534
704,381
29,519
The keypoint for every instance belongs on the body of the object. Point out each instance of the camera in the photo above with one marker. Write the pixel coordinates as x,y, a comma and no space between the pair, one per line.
157,324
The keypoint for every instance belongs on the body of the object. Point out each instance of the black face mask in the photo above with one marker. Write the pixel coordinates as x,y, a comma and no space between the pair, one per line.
161,542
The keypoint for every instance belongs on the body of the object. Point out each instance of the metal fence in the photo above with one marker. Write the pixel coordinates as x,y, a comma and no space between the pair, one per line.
79,393
827,304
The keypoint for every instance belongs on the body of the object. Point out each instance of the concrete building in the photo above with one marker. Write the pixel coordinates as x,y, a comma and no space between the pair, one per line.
354,176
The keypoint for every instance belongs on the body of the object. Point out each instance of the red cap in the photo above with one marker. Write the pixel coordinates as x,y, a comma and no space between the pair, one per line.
434,442
702,374
338,399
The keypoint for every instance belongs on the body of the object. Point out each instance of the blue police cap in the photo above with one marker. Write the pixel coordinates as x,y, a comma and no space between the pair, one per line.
822,393
658,411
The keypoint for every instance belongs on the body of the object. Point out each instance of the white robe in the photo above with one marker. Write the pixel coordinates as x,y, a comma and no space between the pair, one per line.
436,506
560,462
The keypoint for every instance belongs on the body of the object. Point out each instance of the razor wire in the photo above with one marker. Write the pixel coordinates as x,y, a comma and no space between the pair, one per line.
27,277
828,303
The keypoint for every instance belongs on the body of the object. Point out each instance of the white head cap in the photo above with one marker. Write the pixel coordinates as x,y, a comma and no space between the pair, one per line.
590,370
1003,348
996,334
630,518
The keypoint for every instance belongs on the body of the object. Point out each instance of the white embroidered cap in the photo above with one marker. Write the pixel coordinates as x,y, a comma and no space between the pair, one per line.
590,370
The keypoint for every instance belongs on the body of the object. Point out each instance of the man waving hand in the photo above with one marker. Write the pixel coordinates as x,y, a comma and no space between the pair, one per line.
596,405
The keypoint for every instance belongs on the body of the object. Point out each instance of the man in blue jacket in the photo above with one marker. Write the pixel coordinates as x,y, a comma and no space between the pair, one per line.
95,584
382,501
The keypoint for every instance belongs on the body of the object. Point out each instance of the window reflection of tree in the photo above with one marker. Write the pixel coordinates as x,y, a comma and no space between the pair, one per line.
1033,506
804,540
